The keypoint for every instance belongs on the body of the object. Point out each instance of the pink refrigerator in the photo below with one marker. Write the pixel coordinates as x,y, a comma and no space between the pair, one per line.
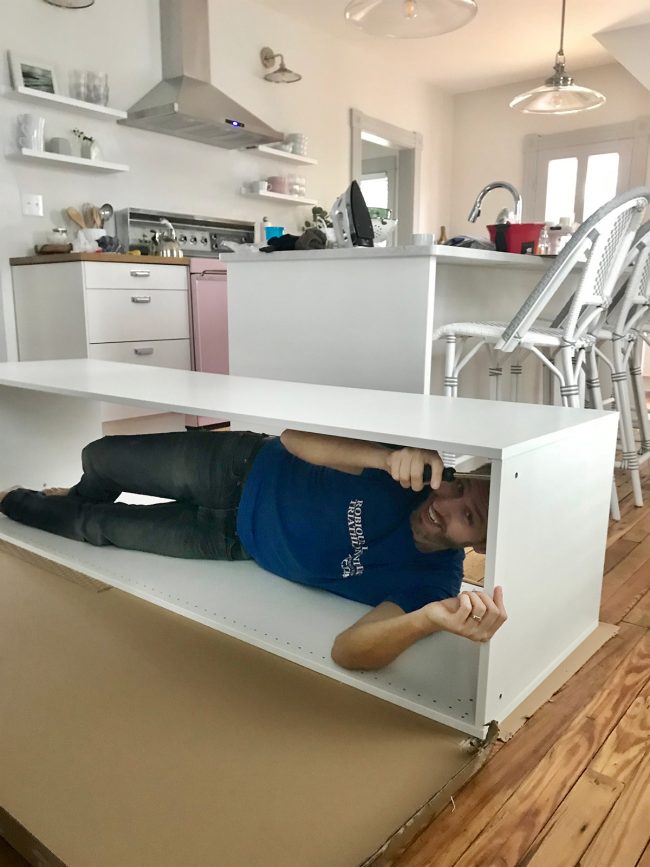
209,301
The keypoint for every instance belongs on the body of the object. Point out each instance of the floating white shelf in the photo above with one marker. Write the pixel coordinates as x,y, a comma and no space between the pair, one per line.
93,165
274,153
31,95
281,197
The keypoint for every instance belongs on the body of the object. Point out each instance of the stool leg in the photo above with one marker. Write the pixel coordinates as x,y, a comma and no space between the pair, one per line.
496,372
569,389
638,390
516,369
630,457
596,397
450,384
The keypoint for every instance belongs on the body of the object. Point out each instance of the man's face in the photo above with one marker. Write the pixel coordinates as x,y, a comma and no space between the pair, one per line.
454,516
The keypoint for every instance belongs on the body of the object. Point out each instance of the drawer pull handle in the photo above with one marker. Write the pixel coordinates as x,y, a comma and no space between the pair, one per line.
141,273
141,299
147,350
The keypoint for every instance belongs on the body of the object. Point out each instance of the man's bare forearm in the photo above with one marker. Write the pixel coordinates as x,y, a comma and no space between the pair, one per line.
375,643
340,453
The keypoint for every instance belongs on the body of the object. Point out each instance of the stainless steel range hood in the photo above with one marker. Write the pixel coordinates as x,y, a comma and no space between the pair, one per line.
185,104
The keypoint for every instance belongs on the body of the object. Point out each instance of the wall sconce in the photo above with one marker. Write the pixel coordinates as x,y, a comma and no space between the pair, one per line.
281,75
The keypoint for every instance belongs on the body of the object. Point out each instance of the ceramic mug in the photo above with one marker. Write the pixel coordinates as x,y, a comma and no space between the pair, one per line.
31,131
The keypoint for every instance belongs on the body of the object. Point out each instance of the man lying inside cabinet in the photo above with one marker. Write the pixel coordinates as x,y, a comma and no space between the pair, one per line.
347,516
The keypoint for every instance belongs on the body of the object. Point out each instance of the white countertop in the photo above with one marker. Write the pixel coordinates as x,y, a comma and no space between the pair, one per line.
442,253
488,429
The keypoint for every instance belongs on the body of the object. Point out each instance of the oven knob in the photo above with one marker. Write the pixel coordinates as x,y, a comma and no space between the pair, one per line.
182,239
204,240
193,239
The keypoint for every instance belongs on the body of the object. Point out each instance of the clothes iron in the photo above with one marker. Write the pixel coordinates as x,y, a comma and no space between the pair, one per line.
351,220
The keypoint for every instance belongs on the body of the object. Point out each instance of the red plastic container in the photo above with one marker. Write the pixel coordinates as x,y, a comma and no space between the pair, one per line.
518,237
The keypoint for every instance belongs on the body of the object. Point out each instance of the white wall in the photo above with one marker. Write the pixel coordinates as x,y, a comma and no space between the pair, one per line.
489,136
122,37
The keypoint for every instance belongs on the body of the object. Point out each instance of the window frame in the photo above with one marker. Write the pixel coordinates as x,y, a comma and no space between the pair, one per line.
630,140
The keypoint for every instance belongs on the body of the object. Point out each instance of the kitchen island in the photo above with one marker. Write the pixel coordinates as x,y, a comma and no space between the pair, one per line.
363,317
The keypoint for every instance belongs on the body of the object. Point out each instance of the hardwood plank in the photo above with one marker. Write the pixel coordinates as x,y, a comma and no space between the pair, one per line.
626,831
624,749
640,614
575,822
644,860
445,840
522,817
617,552
617,576
614,608
636,534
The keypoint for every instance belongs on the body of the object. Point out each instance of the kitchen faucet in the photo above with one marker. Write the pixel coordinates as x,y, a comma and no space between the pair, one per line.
510,216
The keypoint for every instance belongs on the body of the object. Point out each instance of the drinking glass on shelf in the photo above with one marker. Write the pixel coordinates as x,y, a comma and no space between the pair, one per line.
30,131
98,87
79,84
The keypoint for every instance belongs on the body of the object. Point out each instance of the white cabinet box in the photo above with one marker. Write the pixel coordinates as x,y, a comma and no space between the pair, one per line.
549,507
125,311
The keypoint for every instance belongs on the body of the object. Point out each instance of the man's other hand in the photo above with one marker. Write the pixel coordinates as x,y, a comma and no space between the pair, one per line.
473,615
406,466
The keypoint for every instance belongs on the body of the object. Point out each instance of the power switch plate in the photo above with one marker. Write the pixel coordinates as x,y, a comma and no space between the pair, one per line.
32,205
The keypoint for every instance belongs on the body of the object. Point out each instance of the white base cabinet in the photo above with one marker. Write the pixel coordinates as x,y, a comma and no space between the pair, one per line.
548,512
109,311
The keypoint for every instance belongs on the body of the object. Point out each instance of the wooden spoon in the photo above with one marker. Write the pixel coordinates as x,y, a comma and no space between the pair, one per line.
97,219
76,217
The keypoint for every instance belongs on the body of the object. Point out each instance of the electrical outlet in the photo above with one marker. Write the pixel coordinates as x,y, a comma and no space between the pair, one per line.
32,205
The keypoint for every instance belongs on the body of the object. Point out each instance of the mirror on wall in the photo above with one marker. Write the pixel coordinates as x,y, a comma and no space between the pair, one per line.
385,159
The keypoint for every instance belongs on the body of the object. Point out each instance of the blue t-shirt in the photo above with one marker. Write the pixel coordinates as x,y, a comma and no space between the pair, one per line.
349,534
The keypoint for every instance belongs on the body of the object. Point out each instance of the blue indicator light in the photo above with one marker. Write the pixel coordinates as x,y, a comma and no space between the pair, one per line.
234,122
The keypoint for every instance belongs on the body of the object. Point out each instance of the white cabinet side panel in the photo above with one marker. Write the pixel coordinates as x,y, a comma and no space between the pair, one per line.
364,324
546,547
50,318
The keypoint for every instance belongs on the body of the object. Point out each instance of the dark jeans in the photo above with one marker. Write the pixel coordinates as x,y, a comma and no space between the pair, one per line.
202,472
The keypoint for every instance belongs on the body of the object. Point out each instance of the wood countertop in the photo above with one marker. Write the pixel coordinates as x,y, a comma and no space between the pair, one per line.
97,257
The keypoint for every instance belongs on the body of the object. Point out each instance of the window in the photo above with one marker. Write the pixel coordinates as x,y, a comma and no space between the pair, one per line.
375,190
572,174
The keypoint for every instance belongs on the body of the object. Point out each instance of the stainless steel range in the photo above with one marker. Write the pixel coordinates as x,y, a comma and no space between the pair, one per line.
198,236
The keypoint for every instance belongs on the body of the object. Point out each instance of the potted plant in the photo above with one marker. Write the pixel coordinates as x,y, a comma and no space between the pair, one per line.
88,146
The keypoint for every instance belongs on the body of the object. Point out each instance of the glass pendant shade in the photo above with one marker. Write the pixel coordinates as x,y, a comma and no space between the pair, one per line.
558,99
410,19
71,4
558,95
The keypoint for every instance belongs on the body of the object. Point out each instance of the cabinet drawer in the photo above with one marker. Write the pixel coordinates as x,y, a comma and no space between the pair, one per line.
114,315
157,353
124,275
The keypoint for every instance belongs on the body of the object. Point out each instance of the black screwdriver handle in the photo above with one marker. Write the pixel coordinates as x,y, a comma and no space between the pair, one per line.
448,474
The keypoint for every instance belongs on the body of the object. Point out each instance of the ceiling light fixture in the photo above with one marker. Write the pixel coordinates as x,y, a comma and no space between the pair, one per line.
71,4
559,95
281,75
410,19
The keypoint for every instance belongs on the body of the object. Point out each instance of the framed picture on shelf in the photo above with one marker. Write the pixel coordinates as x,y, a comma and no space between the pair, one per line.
29,72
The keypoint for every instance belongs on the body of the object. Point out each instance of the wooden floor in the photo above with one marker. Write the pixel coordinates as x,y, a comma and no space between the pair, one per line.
572,787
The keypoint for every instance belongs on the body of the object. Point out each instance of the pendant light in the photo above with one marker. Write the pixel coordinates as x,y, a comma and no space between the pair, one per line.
559,95
410,19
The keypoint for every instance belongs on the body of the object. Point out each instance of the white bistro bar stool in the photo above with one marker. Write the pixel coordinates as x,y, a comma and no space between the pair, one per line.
623,331
603,242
